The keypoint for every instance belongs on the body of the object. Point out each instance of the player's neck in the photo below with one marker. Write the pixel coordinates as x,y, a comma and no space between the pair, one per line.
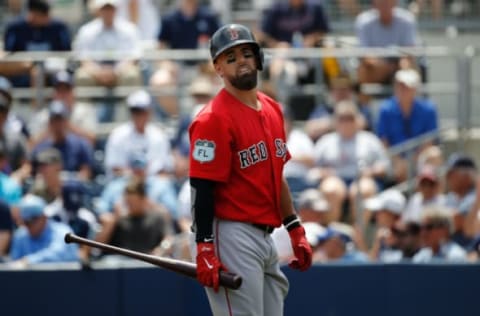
249,98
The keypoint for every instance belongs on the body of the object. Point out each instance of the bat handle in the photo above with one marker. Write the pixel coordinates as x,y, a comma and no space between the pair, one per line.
230,280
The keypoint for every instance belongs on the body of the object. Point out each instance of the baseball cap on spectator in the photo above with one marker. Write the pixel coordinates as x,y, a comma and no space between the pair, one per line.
49,156
98,4
31,206
63,77
389,200
58,109
312,199
140,100
201,86
344,231
460,160
408,77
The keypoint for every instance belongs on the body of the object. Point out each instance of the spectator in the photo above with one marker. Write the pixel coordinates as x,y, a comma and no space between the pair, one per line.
301,160
139,136
284,20
387,208
6,229
428,194
160,190
14,123
474,250
13,142
141,229
404,116
437,228
347,157
142,13
408,238
108,48
40,240
294,23
335,244
77,154
188,26
461,173
320,120
82,116
384,26
48,181
10,189
70,208
36,31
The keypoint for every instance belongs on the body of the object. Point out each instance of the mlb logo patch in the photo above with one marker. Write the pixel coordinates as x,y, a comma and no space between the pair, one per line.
203,150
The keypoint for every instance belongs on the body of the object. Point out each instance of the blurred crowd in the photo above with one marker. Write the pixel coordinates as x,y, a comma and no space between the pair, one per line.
130,188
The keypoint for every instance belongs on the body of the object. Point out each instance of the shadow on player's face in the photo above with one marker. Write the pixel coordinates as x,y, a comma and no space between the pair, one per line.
238,66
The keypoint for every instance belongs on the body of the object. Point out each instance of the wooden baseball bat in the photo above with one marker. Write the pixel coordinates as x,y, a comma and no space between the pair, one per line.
227,279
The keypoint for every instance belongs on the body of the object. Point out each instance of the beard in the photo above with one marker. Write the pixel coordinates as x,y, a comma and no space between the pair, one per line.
245,82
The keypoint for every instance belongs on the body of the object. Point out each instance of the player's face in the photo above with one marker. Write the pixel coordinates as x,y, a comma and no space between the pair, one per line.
238,66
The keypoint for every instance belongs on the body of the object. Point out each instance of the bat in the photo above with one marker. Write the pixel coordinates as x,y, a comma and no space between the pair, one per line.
227,279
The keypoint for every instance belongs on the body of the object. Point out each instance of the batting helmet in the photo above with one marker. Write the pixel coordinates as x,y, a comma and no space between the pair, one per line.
231,35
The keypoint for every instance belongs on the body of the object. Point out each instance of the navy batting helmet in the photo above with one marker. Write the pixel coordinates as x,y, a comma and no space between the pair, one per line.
231,35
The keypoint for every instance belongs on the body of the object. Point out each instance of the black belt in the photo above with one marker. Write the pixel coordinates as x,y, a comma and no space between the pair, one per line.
264,228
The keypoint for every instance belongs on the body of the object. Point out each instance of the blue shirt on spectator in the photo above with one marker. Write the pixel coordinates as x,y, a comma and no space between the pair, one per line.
393,127
76,152
22,36
182,32
282,21
159,190
10,190
48,247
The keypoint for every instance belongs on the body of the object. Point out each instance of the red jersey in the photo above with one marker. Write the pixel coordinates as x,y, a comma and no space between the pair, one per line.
244,151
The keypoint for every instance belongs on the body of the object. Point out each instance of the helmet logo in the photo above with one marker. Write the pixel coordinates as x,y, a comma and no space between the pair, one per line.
233,34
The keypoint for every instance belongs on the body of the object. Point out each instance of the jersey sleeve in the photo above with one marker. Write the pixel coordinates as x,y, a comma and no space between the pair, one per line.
210,148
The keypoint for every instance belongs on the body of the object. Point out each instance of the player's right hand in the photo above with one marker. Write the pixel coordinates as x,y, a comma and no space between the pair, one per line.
208,265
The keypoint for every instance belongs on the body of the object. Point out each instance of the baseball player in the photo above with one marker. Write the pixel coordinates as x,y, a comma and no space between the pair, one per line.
238,192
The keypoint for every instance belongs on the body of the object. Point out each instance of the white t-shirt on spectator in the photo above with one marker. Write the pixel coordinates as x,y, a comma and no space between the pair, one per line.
148,18
125,142
347,156
184,201
122,40
298,144
416,205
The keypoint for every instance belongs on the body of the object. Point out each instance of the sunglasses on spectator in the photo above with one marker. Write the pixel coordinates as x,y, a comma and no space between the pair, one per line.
427,183
346,118
31,220
430,226
137,110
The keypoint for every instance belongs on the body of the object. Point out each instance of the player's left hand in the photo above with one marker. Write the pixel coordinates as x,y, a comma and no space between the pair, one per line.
301,249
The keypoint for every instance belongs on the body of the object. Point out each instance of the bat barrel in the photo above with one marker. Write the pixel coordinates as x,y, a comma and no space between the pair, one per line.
227,279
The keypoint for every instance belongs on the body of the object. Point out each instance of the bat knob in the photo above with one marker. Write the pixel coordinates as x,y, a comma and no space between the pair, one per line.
68,238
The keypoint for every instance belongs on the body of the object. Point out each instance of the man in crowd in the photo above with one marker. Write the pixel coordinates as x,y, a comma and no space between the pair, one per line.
77,153
405,116
36,31
40,240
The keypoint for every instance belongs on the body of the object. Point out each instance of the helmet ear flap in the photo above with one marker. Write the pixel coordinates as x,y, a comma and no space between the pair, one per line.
260,59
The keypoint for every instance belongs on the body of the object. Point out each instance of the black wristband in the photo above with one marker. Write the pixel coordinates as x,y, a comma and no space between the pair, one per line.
290,222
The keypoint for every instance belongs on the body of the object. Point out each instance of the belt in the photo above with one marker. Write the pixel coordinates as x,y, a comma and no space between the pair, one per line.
264,228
